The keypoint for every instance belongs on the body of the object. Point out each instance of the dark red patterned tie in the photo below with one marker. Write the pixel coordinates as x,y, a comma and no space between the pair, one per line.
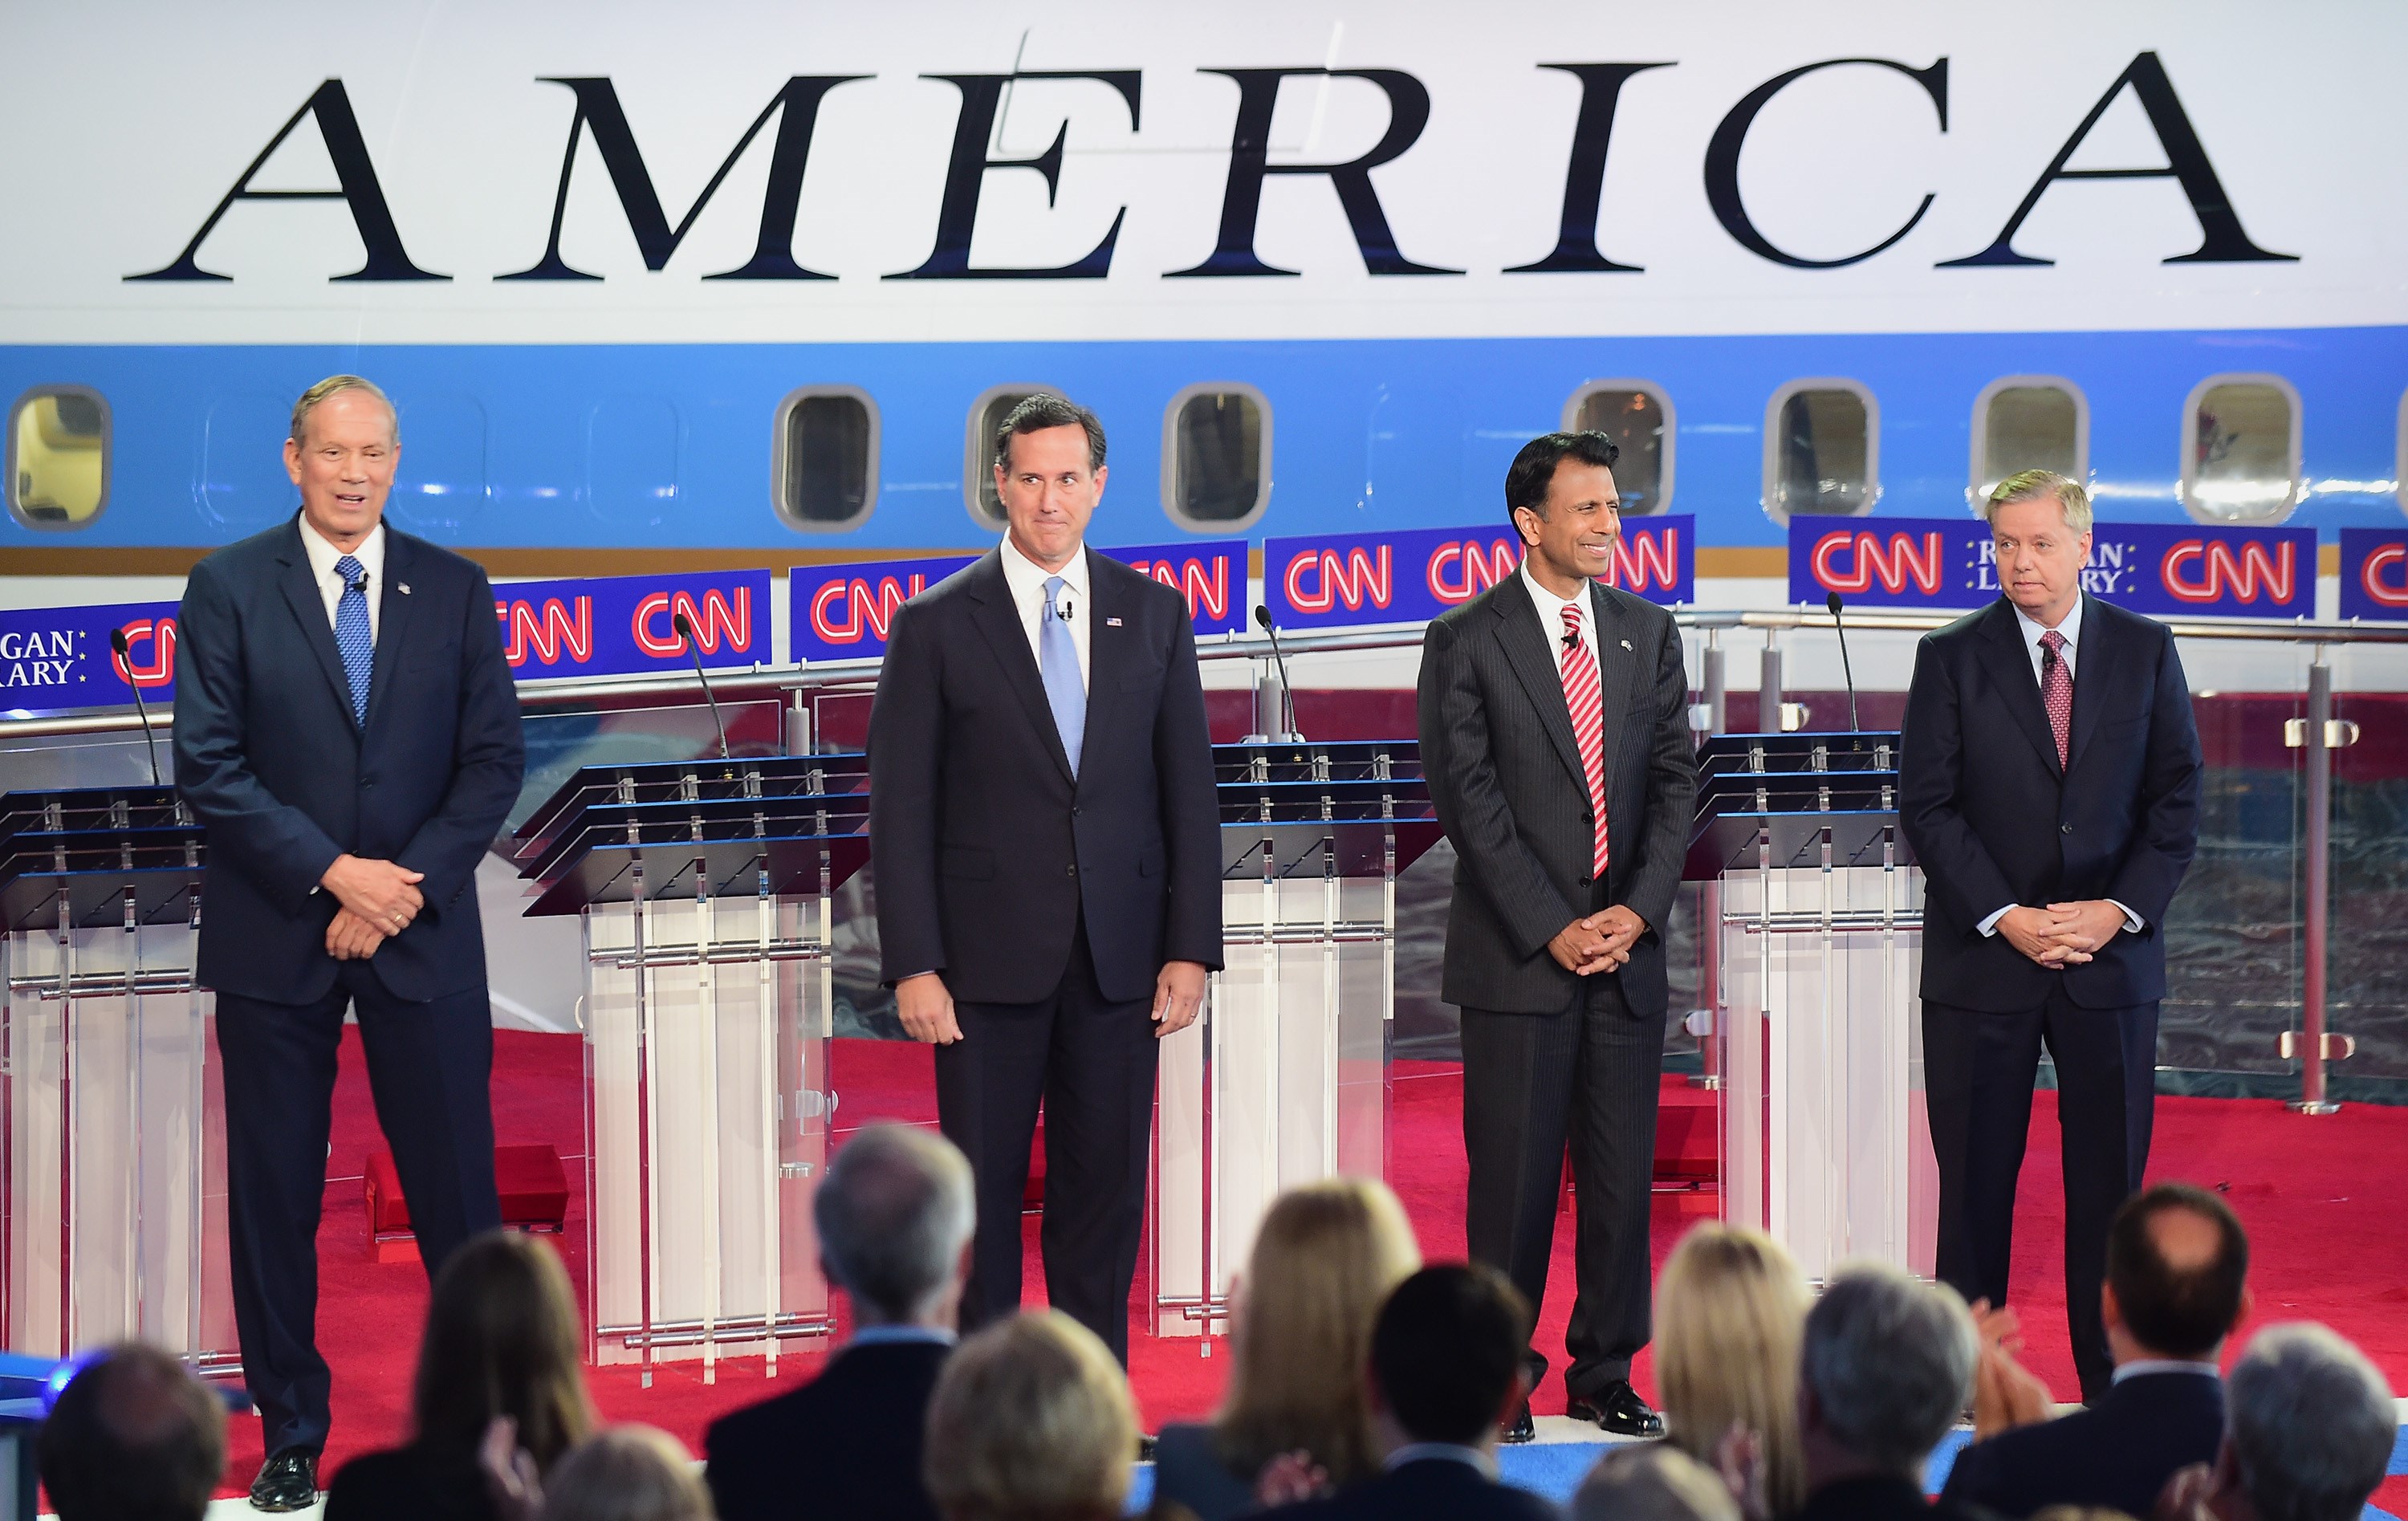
1587,703
2056,692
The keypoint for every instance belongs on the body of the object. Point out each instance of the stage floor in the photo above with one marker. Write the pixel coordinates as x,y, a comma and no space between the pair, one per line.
2324,1200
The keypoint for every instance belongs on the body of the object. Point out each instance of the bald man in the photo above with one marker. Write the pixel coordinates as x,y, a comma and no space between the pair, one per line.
2177,1283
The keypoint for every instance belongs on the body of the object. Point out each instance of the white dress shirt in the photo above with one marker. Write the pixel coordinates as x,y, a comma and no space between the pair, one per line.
2032,630
322,556
1027,579
2147,1366
1551,617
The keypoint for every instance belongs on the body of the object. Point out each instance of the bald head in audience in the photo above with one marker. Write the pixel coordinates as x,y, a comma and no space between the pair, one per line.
134,1437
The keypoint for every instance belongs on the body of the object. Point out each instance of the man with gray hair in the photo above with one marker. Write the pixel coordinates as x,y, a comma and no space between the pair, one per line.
2309,1429
894,1214
1885,1369
2048,781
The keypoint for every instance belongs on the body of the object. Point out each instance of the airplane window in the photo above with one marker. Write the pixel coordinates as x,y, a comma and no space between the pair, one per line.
2028,423
58,457
1217,456
2240,449
825,463
977,462
1821,449
1637,417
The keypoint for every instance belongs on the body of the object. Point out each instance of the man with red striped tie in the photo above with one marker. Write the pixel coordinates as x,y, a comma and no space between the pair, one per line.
1554,716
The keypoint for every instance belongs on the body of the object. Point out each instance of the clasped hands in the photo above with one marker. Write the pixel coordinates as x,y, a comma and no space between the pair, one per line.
379,900
2063,933
1599,942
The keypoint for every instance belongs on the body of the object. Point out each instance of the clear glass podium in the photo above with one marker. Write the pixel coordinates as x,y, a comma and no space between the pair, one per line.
704,889
111,1111
1284,1078
1815,922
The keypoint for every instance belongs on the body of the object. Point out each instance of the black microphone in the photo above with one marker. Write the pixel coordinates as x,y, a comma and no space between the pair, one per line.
1262,616
1834,603
125,668
685,632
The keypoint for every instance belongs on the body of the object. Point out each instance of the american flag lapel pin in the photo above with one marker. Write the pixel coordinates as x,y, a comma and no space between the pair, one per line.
402,587
1626,644
1112,623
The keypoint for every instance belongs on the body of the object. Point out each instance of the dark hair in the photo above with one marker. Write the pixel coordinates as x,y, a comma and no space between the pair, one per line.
502,1339
135,1437
1533,469
1446,1349
1043,410
2181,1312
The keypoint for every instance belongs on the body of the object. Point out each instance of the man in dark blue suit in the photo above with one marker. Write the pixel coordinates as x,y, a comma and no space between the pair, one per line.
1047,856
895,1215
1446,1371
348,733
2049,784
2177,1284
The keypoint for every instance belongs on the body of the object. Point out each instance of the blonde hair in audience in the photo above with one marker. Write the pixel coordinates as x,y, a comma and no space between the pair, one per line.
1324,1261
627,1473
1651,1482
1730,1311
1031,1421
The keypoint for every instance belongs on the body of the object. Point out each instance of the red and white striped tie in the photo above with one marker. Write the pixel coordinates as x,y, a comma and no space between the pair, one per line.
1587,703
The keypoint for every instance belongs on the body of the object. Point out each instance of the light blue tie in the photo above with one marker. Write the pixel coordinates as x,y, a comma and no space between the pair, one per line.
351,634
1059,660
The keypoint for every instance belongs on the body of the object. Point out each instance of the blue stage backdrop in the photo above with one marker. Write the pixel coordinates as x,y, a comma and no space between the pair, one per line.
2165,570
1323,580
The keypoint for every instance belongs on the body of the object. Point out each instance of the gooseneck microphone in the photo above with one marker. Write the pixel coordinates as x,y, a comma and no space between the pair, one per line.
1287,687
125,669
685,632
1834,603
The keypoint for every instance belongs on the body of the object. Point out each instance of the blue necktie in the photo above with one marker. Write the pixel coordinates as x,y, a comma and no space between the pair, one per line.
1059,660
351,634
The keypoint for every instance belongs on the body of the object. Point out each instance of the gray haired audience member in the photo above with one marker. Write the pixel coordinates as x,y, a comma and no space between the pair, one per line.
2309,1427
895,1217
1654,1482
134,1437
1884,1371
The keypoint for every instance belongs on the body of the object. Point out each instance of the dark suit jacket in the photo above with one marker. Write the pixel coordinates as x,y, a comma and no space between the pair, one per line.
1505,772
846,1444
1884,1499
283,781
2118,1453
1435,1488
406,1484
1993,821
987,852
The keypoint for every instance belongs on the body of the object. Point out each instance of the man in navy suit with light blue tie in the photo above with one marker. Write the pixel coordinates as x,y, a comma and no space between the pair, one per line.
348,733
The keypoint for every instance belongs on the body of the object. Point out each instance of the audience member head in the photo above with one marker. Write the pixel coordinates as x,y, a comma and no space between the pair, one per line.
626,1474
1446,1356
1031,1421
134,1437
1324,1259
2308,1427
2177,1275
1885,1369
894,1213
1653,1481
1728,1313
502,1340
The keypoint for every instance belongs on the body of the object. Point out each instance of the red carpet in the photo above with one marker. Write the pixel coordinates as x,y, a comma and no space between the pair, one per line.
2322,1200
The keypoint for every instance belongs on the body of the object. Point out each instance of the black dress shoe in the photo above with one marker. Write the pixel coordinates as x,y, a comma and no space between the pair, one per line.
1521,1429
1617,1408
286,1482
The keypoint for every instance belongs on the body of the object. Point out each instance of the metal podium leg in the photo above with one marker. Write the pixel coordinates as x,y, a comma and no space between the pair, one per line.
766,1024
706,1006
648,1203
68,1098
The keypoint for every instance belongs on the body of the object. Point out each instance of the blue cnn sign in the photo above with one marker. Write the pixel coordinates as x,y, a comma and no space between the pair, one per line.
1341,581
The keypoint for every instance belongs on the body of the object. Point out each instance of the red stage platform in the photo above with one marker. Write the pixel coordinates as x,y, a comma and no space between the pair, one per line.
2323,1200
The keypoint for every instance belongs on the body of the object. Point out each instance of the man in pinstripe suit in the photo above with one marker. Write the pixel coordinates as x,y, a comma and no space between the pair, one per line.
1555,734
